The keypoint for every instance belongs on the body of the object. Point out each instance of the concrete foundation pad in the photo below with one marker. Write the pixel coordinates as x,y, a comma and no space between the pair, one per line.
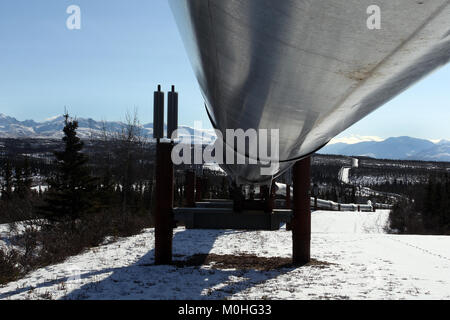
226,218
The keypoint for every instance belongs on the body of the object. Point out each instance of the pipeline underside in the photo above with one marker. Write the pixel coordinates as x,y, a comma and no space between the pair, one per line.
308,68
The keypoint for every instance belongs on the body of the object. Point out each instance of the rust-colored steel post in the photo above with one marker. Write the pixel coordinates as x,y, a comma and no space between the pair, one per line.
265,195
164,204
301,221
270,205
263,191
206,187
190,189
198,189
288,196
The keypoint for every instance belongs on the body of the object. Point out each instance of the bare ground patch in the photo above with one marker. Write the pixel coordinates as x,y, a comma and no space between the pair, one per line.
244,262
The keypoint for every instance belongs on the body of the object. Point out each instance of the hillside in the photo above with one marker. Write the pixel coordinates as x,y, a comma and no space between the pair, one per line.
400,148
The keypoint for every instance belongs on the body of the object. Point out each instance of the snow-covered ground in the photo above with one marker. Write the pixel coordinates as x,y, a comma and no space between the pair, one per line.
4,235
359,262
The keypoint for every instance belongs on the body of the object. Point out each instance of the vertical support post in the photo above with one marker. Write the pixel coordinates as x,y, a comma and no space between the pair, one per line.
301,221
164,204
206,190
263,192
172,113
265,197
288,196
198,189
273,195
158,114
270,200
238,198
288,205
190,189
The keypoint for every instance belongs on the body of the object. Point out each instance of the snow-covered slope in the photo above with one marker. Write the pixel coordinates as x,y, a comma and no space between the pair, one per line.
353,259
349,222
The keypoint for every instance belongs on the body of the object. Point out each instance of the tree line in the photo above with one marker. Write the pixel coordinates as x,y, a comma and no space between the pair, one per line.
427,209
115,175
84,202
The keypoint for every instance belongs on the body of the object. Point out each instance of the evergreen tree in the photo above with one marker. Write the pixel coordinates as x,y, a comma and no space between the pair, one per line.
17,181
446,206
7,181
23,181
27,175
428,204
107,194
72,188
353,198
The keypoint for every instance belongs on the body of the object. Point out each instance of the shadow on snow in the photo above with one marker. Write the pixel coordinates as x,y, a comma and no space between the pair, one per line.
144,280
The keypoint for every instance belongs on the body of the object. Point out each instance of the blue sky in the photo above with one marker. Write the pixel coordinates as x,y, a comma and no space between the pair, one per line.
125,48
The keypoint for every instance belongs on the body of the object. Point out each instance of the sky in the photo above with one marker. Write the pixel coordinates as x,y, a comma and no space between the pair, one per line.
124,49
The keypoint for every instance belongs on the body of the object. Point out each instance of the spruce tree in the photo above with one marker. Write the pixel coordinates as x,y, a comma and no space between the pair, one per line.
23,181
7,181
71,189
446,206
106,191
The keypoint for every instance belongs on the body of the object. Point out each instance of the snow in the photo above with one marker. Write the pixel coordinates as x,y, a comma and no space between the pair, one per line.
363,263
354,139
54,118
213,167
349,222
4,235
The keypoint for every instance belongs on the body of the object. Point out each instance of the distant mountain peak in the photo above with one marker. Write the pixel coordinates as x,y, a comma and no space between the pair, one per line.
397,148
4,116
353,139
51,128
54,118
401,148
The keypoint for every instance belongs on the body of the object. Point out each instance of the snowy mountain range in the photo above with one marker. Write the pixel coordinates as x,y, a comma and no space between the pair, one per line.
52,128
400,148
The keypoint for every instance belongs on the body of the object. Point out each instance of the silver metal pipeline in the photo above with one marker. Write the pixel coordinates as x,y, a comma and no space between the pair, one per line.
310,68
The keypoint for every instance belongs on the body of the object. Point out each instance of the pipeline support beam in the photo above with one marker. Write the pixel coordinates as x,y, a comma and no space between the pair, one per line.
190,189
164,204
288,196
198,189
301,221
